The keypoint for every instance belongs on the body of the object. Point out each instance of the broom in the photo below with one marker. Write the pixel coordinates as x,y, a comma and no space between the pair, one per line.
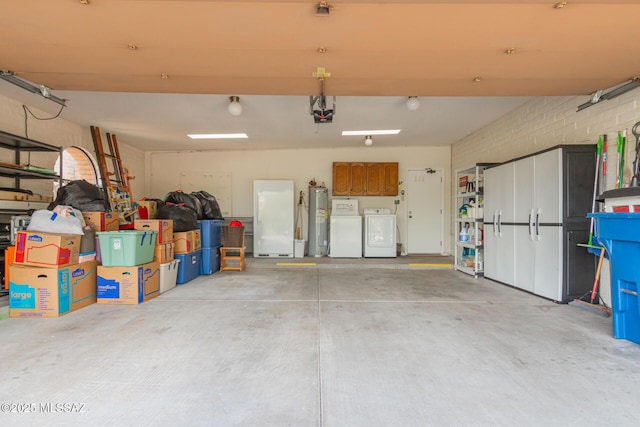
594,305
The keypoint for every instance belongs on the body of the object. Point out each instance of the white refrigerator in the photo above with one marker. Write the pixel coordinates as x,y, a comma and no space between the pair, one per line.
273,218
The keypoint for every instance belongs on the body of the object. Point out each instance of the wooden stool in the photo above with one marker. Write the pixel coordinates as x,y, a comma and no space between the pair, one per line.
232,253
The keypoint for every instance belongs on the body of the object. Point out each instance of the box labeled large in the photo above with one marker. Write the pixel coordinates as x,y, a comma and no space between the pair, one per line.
126,248
211,232
168,275
128,285
163,253
187,242
102,221
164,228
46,249
51,292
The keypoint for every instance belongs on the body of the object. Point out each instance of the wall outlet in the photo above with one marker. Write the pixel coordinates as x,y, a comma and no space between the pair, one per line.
396,202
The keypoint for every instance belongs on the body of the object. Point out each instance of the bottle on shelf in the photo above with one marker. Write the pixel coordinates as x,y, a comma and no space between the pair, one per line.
464,233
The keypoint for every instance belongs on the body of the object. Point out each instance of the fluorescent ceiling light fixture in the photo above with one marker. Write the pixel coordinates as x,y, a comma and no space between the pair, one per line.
370,132
218,136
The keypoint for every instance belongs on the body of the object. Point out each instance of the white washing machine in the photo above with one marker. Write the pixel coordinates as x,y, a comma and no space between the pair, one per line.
379,239
345,229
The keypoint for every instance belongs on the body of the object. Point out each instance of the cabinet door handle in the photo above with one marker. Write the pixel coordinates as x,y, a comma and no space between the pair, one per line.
499,222
530,233
538,225
493,222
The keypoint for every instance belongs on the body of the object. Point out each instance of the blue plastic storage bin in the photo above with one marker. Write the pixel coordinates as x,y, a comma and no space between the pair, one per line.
210,232
210,260
189,267
619,233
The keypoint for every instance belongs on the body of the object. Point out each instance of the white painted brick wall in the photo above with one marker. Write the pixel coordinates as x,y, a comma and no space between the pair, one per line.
544,122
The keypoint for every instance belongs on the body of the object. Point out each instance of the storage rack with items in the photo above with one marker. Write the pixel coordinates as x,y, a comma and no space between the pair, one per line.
469,227
25,202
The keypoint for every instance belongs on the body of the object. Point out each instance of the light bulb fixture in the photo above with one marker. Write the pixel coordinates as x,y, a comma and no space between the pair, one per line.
368,140
412,103
322,8
39,89
234,107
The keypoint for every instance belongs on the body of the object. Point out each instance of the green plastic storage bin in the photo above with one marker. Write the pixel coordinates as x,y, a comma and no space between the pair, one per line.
126,248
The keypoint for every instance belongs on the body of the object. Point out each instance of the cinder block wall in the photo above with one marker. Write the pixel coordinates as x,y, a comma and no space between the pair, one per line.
548,121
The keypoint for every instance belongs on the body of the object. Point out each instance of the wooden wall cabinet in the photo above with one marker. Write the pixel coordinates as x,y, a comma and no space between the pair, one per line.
365,179
358,179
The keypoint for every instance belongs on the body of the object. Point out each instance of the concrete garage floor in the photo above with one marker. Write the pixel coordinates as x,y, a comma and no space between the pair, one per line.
323,346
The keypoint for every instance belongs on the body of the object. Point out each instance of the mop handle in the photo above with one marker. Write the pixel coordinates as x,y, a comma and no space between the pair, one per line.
604,164
622,156
595,187
618,148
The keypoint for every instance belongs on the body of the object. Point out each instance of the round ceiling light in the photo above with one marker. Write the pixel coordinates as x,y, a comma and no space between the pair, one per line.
234,107
412,103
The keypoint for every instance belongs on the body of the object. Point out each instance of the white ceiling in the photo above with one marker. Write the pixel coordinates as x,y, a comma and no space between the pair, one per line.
161,122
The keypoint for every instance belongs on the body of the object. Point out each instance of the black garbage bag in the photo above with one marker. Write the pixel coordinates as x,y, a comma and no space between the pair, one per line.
210,207
184,218
159,203
181,198
81,195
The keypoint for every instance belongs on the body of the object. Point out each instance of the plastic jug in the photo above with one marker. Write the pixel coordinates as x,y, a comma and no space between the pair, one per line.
464,234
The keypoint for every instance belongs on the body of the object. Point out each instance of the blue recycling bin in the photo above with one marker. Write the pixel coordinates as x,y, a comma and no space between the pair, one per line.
619,233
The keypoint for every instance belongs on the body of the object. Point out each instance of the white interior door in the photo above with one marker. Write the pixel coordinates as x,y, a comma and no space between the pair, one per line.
424,211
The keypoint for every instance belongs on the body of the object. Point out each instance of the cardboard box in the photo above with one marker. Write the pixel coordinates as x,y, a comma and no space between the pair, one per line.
164,228
163,253
46,249
186,242
148,207
128,285
102,221
51,292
